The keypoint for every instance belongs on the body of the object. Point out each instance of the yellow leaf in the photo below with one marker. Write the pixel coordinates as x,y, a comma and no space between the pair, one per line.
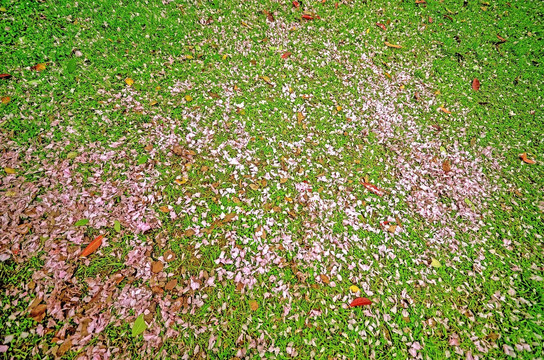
338,108
182,181
3,9
288,199
5,99
225,57
300,117
435,263
153,103
9,170
266,78
129,81
189,57
253,305
392,45
367,30
188,98
354,289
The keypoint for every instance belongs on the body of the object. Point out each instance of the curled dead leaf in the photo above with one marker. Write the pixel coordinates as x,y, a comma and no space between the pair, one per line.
5,99
526,160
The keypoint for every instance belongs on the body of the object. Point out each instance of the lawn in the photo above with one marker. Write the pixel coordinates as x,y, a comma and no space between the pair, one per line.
222,179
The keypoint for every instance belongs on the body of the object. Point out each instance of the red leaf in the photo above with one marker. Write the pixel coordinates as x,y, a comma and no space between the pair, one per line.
360,301
286,55
5,76
373,189
296,4
501,38
307,17
475,84
381,25
93,246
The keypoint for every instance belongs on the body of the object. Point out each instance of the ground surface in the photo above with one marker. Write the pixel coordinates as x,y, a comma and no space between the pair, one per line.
254,168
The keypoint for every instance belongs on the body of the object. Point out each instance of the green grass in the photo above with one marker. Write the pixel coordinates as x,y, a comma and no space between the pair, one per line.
158,44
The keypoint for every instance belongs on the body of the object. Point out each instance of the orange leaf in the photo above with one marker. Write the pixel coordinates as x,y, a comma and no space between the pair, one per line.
444,110
392,45
307,17
296,4
475,84
5,99
501,38
5,76
360,301
39,67
286,55
381,26
525,159
93,246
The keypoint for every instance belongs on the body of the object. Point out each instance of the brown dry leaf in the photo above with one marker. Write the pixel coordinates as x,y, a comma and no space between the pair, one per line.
501,38
325,278
446,166
170,284
169,256
178,150
229,217
283,180
392,45
148,147
63,349
157,266
189,232
254,186
300,117
164,209
522,157
264,182
236,200
392,228
253,305
5,99
129,81
38,313
204,168
39,67
214,95
269,15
